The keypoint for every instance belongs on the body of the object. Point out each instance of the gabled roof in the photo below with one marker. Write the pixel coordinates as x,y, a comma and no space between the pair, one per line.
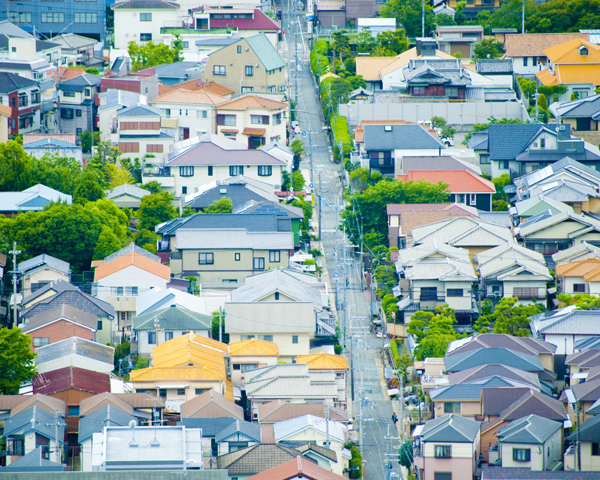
427,251
400,137
146,5
108,416
72,40
126,189
585,221
459,181
255,459
211,404
436,162
450,428
535,44
173,318
43,261
44,402
584,392
157,299
588,268
509,250
299,467
75,298
181,95
34,198
594,409
483,356
495,400
565,321
581,249
133,259
463,232
34,419
588,107
442,269
50,143
210,426
139,110
78,84
488,370
266,52
61,312
253,348
286,429
528,345
279,410
252,101
141,400
94,403
250,430
53,288
197,85
506,141
269,207
589,431
11,82
34,461
515,270
71,378
472,390
324,361
534,205
239,190
565,52
536,403
531,429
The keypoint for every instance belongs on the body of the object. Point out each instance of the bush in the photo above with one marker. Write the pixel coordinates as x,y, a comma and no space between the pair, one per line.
338,349
355,461
395,354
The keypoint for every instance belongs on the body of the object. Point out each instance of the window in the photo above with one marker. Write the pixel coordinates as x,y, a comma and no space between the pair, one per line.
452,407
521,454
202,114
266,338
461,198
533,61
265,170
543,142
451,92
276,295
418,90
162,392
246,337
428,294
259,263
181,391
583,52
235,446
99,325
455,292
226,120
503,165
168,336
78,113
526,293
206,258
88,92
40,341
236,366
247,89
595,449
200,391
277,119
443,475
274,256
579,287
249,70
73,411
237,257
20,17
442,451
210,171
484,159
295,339
184,190
93,18
145,17
238,170
78,131
186,171
53,17
281,88
259,119
151,337
66,113
246,367
524,61
218,69
472,199
23,122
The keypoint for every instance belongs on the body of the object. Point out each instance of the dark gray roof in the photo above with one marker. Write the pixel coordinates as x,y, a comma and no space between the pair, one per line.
440,162
238,194
61,311
132,248
11,82
402,137
146,4
583,108
529,430
508,473
495,400
488,370
534,156
59,286
589,431
216,42
506,141
34,462
176,70
173,318
450,428
75,298
34,419
478,141
41,261
251,222
210,426
266,207
501,219
256,459
495,66
136,110
251,430
78,84
108,416
472,390
41,45
11,30
483,356
587,343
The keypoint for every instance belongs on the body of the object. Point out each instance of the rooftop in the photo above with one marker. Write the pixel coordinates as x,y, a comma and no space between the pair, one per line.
324,361
534,44
173,317
253,348
299,467
450,428
252,102
532,429
459,181
192,97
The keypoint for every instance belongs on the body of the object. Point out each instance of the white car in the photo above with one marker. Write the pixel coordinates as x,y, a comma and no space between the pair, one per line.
448,141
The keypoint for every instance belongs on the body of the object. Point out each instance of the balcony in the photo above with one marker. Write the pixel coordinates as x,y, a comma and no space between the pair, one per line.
166,180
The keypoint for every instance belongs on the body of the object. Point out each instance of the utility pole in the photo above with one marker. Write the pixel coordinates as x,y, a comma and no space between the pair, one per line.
157,329
220,328
15,273
523,17
327,425
423,18
345,281
320,208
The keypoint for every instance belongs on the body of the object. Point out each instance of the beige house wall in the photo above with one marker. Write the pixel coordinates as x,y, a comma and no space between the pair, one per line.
589,463
237,375
540,460
467,409
42,275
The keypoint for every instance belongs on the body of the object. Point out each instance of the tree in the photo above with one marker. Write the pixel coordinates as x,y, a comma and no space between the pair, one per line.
365,42
222,205
298,181
500,198
88,189
107,244
15,166
394,41
510,318
86,140
156,209
177,46
488,48
444,20
434,332
215,327
363,177
350,64
152,54
405,454
16,360
147,240
408,14
480,127
583,301
341,44
152,187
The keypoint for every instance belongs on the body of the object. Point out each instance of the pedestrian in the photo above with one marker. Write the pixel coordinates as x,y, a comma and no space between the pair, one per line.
347,280
394,419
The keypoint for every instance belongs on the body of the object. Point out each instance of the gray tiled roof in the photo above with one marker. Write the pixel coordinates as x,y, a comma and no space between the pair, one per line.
472,390
248,429
265,207
250,222
566,322
176,70
266,52
61,311
402,137
238,194
532,156
497,65
11,82
216,42
139,110
173,318
79,83
59,286
495,400
584,108
528,430
440,162
72,40
506,141
537,403
34,462
450,428
41,261
483,356
34,419
484,371
210,426
255,459
96,421
126,189
132,248
75,298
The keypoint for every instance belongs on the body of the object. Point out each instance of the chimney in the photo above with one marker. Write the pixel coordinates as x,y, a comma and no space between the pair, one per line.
426,47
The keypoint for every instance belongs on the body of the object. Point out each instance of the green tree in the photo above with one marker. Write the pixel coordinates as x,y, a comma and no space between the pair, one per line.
583,301
152,54
152,187
408,14
341,44
488,48
107,244
86,140
350,64
393,40
147,240
308,213
439,122
363,177
215,327
156,209
222,205
435,331
365,42
444,20
88,189
405,453
510,318
16,167
16,360
500,198
177,47
141,363
298,182
542,102
480,127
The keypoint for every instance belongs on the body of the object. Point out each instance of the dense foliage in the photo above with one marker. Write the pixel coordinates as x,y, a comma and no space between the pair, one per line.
509,318
434,331
151,54
16,360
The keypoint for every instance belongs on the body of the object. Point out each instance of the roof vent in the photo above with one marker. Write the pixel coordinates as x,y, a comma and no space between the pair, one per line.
387,128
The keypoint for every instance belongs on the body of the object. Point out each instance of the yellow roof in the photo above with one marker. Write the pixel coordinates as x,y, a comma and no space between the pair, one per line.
327,75
193,338
191,354
579,74
546,78
369,67
253,348
568,52
323,361
579,268
229,391
159,374
404,59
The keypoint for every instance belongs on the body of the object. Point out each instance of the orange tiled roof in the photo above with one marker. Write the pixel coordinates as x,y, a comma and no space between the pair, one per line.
535,44
136,260
405,57
254,131
161,374
568,52
180,95
252,101
324,361
299,467
5,110
197,85
369,67
579,268
253,348
459,181
162,89
546,77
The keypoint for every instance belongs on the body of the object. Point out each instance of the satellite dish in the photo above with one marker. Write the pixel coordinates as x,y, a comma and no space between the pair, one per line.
132,423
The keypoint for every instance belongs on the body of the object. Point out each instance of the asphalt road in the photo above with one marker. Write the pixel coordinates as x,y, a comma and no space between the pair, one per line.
362,347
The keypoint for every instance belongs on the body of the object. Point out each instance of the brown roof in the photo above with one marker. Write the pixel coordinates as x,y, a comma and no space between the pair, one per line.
135,259
369,67
5,110
62,311
198,85
36,137
141,400
419,214
162,88
252,101
229,130
534,44
181,95
50,404
66,73
211,404
254,131
299,467
8,402
71,378
536,403
278,411
96,402
495,400
459,181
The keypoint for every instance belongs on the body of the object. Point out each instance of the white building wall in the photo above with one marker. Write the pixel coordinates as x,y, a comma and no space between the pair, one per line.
145,349
128,26
131,276
529,69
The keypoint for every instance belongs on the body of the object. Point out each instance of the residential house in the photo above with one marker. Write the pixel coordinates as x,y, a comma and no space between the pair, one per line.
279,150
211,404
488,370
211,427
448,445
76,103
464,186
402,218
123,276
53,146
434,77
157,299
94,423
79,48
297,468
249,354
183,368
564,327
327,362
237,435
227,66
5,114
40,271
575,253
583,365
268,207
527,51
579,277
121,79
59,323
406,164
103,311
111,448
383,144
172,74
574,64
187,113
535,205
432,373
197,85
22,95
461,38
587,435
531,441
202,245
127,196
582,115
294,383
585,396
255,120
444,9
85,354
205,46
109,104
159,326
91,405
499,70
34,461
144,405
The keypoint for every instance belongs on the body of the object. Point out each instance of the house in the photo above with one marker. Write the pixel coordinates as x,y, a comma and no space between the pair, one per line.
237,435
585,396
582,115
249,354
211,427
434,77
40,271
144,405
383,144
187,113
111,448
579,277
402,218
327,362
499,70
297,468
123,276
255,120
461,38
86,354
488,370
76,103
175,73
448,444
228,66
582,364
197,85
574,64
121,79
109,104
22,95
34,461
575,253
464,186
158,299
501,355
59,323
103,311
444,9
531,441
39,145
194,163
202,245
159,326
90,405
268,207
527,50
406,164
535,205
587,435
279,150
127,196
211,404
294,383
79,48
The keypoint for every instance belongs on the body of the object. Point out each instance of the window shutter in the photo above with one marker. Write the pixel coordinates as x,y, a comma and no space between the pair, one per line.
265,120
220,119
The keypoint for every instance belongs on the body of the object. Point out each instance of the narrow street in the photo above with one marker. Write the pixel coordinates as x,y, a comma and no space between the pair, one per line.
365,352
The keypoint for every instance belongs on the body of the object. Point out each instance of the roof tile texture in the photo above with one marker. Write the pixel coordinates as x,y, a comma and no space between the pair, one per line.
534,44
459,181
252,101
133,259
198,97
253,348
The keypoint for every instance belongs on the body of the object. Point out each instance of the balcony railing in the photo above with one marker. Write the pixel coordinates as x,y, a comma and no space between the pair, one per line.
15,449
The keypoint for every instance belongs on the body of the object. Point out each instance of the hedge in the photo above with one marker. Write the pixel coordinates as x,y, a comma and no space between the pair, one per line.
340,126
395,354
